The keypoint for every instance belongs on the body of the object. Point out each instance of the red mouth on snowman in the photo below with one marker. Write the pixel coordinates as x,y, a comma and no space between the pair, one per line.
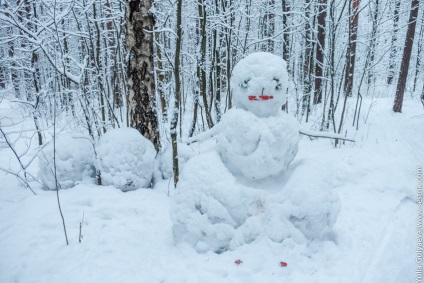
260,97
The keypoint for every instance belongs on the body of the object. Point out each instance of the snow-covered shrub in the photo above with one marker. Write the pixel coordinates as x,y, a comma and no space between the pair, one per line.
255,147
126,159
74,162
213,211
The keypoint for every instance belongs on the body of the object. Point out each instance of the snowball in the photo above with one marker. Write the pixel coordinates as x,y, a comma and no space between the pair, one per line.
257,148
74,162
209,204
259,84
126,159
314,205
212,211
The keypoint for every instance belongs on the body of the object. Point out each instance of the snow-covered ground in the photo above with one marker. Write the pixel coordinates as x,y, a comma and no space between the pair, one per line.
128,237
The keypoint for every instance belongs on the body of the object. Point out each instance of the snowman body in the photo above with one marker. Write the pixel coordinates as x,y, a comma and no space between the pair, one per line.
259,140
255,148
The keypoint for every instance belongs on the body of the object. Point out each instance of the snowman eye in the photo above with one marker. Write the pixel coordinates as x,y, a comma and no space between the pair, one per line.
278,86
244,84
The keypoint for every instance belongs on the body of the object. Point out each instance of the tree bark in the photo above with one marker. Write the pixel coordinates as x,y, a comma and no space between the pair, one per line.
373,41
174,121
141,83
286,34
351,50
393,50
308,61
407,50
319,63
268,26
202,64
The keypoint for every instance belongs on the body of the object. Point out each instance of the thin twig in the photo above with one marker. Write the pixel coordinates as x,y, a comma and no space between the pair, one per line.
25,180
54,140
324,135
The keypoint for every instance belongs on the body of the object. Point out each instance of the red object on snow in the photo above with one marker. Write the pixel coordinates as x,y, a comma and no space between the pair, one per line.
238,262
283,264
260,97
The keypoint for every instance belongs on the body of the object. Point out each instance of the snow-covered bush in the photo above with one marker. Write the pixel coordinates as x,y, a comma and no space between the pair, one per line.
213,211
74,162
255,147
126,159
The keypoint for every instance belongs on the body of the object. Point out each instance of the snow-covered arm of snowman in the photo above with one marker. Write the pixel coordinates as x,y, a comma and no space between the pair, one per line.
324,135
217,129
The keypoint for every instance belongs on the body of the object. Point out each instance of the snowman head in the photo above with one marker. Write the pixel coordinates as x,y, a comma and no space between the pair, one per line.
259,84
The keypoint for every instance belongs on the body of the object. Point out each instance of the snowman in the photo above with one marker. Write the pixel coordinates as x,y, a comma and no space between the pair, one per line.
240,188
259,140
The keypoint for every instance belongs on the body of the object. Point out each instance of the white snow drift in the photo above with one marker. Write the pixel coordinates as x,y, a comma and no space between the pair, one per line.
126,159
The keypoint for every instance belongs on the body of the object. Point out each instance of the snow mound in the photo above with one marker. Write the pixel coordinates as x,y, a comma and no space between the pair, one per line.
258,148
185,152
74,162
259,84
126,159
212,211
313,204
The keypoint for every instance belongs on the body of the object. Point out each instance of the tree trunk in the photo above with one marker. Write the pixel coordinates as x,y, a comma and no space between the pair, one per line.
351,50
174,121
373,41
407,50
286,34
141,83
319,63
308,61
202,64
393,50
419,51
268,26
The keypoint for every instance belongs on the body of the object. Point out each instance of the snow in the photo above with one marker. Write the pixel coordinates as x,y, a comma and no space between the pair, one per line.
129,237
74,162
217,209
259,84
164,160
213,211
126,159
258,148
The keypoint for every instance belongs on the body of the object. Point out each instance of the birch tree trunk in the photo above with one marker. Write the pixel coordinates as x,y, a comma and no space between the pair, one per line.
141,83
